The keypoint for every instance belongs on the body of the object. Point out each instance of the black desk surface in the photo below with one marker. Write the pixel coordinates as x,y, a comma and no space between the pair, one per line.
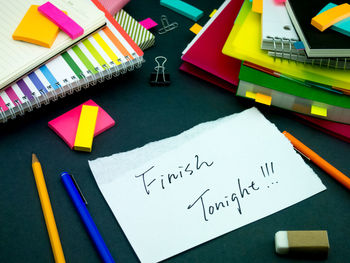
144,114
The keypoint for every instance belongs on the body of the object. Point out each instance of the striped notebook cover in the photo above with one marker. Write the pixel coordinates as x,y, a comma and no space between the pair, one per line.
107,53
142,37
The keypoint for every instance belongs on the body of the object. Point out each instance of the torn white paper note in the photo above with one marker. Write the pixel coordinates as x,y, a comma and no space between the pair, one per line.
202,183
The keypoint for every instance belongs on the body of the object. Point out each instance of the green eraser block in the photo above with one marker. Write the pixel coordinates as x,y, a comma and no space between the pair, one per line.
183,8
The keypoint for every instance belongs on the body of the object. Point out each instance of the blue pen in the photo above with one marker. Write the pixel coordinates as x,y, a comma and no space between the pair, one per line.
90,226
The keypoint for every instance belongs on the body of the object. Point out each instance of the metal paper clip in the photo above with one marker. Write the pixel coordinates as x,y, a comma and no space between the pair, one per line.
166,26
159,77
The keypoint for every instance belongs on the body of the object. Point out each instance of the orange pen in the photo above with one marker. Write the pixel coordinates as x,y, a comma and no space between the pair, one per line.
319,161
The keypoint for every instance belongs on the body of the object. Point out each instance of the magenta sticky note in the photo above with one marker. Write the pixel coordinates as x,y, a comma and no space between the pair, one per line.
66,125
113,6
148,23
63,21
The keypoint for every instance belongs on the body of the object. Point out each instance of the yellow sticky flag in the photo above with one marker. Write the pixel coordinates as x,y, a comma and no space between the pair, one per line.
316,110
196,28
250,95
213,12
257,6
262,98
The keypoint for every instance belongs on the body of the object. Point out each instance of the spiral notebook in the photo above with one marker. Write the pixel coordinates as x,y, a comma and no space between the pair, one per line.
103,55
328,43
279,35
277,32
17,58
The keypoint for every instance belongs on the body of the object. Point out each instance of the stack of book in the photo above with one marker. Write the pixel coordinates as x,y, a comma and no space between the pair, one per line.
265,64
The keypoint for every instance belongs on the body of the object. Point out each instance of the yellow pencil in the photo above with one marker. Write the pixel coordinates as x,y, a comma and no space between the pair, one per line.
47,211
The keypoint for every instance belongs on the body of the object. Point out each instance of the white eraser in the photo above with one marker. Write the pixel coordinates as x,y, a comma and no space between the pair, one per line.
281,242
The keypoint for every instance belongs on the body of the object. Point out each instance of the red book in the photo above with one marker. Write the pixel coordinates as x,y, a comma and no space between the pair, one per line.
204,51
339,130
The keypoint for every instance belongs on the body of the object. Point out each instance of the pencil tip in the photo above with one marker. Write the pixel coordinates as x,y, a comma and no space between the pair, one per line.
34,158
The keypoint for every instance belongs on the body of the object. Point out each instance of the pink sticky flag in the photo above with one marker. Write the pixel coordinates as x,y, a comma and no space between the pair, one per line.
64,22
148,23
280,1
66,125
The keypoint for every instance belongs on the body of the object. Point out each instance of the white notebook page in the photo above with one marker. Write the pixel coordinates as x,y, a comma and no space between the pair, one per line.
17,57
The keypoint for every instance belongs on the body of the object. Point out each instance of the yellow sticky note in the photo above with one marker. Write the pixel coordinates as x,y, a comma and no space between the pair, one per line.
316,110
86,128
35,28
262,98
331,16
250,95
213,12
196,28
257,6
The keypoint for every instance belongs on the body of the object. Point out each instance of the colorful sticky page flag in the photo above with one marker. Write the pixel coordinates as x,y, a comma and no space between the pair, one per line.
331,16
183,8
212,13
250,95
62,20
257,6
148,23
342,26
196,28
262,98
299,45
35,28
280,1
316,110
86,128
66,125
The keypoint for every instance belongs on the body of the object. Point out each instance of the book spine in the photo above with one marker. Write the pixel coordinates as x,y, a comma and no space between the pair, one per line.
294,103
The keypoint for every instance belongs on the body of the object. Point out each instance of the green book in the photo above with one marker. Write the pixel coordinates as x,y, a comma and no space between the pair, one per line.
294,95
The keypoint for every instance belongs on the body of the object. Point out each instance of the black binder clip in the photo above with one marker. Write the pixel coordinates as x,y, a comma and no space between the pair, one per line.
159,77
166,26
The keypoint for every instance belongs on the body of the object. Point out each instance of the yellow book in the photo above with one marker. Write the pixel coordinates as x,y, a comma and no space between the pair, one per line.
244,43
35,28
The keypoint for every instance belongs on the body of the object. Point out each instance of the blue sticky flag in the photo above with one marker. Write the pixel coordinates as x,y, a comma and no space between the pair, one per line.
299,45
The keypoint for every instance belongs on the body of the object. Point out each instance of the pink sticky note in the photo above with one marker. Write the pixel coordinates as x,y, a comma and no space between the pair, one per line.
66,125
113,6
148,23
64,22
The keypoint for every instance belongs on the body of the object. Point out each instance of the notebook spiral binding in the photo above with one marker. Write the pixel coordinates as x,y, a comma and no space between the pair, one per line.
87,80
278,44
283,48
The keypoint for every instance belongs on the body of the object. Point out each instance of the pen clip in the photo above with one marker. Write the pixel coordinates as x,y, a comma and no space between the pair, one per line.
303,155
78,188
